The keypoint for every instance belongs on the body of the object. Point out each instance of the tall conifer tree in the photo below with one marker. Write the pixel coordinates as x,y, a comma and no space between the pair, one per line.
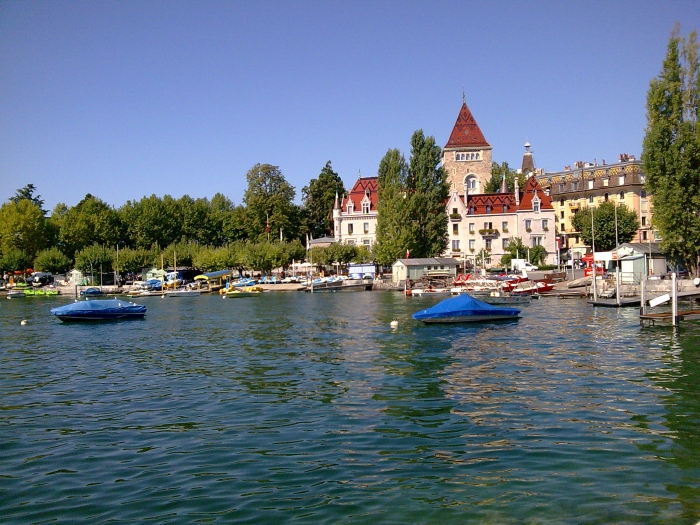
671,149
392,233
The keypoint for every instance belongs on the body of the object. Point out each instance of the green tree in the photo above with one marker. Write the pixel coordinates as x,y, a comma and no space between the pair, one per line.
604,225
91,221
671,150
134,260
23,227
27,193
52,260
498,171
13,259
269,204
94,258
517,250
152,221
426,196
318,198
393,234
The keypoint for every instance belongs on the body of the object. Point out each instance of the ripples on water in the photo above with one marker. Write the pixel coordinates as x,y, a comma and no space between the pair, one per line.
308,408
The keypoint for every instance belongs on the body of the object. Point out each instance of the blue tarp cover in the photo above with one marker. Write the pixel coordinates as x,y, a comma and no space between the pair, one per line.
107,309
461,306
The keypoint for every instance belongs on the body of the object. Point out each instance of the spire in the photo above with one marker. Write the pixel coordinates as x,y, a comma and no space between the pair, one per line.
336,204
528,161
504,185
466,132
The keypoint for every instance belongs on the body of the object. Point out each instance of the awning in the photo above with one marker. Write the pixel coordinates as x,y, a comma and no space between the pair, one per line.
214,275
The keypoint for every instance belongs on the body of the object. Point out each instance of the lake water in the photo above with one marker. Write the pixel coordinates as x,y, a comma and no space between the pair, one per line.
301,408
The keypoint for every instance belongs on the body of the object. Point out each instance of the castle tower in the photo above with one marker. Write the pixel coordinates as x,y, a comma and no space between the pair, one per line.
466,157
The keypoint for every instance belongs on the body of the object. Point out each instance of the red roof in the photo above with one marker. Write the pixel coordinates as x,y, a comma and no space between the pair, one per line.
497,201
358,192
531,188
466,132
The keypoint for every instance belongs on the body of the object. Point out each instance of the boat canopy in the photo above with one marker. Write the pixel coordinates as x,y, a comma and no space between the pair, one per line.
464,305
213,275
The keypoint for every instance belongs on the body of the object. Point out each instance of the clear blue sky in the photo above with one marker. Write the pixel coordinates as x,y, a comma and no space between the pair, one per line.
131,98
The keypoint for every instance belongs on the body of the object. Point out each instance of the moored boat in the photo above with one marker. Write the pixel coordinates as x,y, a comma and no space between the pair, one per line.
246,291
465,309
99,310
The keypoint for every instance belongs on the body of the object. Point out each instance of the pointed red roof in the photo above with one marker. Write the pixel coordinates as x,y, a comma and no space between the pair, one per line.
361,188
531,189
466,132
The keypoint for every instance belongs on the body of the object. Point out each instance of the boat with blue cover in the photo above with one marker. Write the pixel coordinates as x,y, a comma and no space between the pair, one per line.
465,309
96,310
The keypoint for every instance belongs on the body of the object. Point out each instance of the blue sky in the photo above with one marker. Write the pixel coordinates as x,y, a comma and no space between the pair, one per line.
133,98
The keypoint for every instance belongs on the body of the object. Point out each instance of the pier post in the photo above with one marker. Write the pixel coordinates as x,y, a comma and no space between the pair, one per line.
674,300
644,294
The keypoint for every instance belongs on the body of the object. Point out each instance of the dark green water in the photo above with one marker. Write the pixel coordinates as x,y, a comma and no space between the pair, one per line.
300,408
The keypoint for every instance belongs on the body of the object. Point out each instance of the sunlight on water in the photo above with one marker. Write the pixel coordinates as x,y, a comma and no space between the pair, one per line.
312,409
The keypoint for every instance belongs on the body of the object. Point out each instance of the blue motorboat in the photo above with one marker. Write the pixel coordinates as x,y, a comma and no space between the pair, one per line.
465,309
96,310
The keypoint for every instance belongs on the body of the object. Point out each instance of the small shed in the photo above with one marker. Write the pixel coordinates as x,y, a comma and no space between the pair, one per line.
646,256
415,269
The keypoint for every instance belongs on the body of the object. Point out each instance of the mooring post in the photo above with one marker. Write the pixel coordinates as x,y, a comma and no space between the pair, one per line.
674,300
644,294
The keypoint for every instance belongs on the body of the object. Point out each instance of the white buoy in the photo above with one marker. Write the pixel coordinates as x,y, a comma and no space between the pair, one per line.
394,324
24,321
223,296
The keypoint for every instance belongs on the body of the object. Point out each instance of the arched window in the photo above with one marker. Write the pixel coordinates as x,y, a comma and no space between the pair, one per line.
606,197
643,194
622,195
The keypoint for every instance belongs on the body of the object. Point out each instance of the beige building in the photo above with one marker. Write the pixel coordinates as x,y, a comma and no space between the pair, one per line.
589,184
484,223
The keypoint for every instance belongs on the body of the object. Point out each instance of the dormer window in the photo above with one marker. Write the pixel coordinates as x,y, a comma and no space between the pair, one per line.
350,207
536,205
365,207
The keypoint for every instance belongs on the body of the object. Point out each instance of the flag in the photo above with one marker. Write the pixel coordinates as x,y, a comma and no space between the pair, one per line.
307,242
281,239
267,224
408,254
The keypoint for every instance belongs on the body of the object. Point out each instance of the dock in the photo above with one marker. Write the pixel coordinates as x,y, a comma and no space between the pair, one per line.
614,303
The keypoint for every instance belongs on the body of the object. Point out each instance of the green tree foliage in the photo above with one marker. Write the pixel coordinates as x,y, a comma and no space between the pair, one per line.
152,221
498,171
671,150
27,193
52,260
604,225
182,253
23,228
270,208
318,198
517,250
134,260
393,234
426,195
93,258
13,259
91,221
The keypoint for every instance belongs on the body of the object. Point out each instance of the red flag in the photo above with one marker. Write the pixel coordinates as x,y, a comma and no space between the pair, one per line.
408,254
267,225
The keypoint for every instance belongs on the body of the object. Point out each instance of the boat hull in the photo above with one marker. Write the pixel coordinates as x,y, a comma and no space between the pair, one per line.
470,319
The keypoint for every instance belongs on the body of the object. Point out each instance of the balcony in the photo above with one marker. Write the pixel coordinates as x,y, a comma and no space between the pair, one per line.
488,232
455,217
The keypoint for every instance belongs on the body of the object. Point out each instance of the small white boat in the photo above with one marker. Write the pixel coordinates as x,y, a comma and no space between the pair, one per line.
15,294
183,292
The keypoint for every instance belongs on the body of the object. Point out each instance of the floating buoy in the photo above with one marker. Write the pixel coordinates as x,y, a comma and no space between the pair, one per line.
24,321
223,296
394,324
